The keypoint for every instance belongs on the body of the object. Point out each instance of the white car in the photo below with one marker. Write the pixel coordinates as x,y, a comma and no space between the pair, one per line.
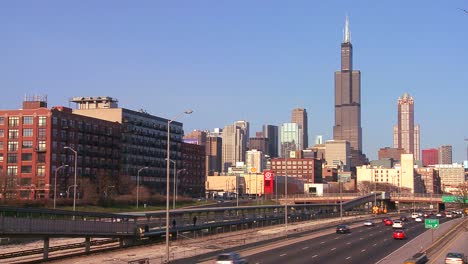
368,223
397,224
414,215
418,219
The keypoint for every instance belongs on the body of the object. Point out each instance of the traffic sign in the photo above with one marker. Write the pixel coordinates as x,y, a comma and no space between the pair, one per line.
431,223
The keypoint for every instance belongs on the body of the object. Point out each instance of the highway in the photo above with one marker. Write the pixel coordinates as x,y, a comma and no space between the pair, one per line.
362,245
457,244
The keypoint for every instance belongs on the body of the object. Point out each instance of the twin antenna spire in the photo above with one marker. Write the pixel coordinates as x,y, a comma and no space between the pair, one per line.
347,33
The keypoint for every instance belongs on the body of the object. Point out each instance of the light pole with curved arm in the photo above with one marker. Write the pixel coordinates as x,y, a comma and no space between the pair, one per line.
74,185
168,165
287,150
138,185
55,182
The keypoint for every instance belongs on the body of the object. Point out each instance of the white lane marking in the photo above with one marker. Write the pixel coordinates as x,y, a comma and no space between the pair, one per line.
336,238
304,248
349,243
371,234
375,244
361,238
363,250
385,240
314,256
332,249
282,255
348,257
323,242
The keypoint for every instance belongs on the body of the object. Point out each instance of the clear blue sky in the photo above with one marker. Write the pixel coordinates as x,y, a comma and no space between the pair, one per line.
251,60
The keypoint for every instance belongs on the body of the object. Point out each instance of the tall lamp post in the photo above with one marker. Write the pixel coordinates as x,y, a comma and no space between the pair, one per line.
74,185
168,165
138,185
174,187
286,188
55,182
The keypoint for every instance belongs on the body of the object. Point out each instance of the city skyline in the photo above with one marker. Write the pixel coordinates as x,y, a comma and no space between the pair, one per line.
239,61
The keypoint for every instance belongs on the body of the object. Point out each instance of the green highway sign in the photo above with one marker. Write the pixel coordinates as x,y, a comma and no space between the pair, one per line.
431,223
452,199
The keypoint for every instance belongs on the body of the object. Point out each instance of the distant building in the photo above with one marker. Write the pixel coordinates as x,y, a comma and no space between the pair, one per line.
445,154
197,137
271,132
259,143
144,139
348,102
318,151
406,133
337,154
32,148
234,145
451,175
290,137
390,153
255,159
430,157
308,170
299,116
192,176
213,150
318,140
431,179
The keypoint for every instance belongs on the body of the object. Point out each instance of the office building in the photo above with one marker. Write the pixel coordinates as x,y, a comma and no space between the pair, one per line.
213,150
255,159
234,145
290,137
259,143
430,157
405,133
191,177
337,154
299,116
348,102
144,139
445,154
390,153
271,132
197,137
305,169
451,175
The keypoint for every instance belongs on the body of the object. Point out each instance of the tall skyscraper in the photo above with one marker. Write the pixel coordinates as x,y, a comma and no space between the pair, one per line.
234,144
445,154
348,102
271,132
299,116
406,134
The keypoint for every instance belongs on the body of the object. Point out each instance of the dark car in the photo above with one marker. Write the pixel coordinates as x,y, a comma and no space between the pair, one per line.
403,218
341,229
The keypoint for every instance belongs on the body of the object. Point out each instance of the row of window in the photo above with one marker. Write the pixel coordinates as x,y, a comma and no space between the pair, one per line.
27,132
293,162
292,167
14,121
26,144
12,170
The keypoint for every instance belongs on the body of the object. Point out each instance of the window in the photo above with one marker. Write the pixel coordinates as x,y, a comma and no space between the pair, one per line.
13,146
1,145
41,157
13,133
26,157
12,157
42,145
42,121
64,123
27,120
2,120
41,133
27,132
27,144
41,170
2,133
12,170
1,157
26,169
13,121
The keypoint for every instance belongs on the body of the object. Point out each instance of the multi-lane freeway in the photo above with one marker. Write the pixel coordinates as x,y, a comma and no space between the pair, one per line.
362,245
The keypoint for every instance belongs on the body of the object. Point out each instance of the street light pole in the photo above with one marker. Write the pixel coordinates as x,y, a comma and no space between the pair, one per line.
138,185
55,182
286,189
341,192
168,160
174,187
74,185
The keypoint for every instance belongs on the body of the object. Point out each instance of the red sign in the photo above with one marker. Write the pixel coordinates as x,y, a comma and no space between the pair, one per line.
268,178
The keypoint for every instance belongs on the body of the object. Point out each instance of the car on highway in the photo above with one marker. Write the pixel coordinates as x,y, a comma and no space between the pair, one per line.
230,258
389,222
403,218
385,219
418,219
439,214
449,215
342,229
397,224
455,257
399,234
414,215
369,223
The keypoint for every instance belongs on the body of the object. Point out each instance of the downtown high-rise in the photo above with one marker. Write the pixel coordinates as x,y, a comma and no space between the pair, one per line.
405,133
348,102
299,116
